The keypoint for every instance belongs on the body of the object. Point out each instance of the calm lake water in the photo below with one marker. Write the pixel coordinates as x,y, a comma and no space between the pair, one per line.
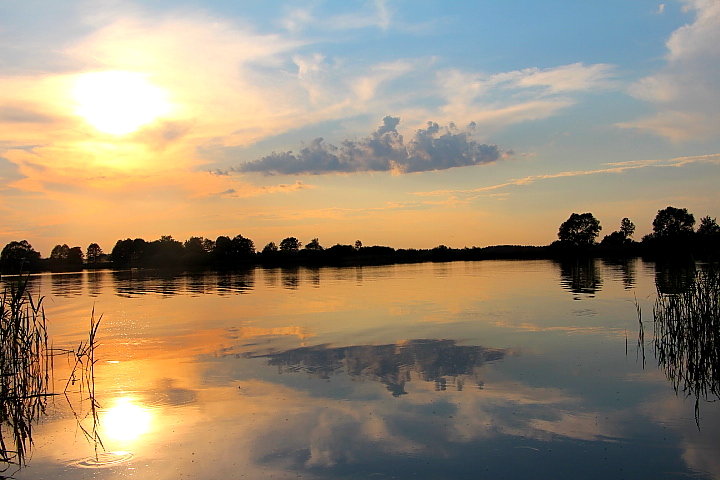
494,369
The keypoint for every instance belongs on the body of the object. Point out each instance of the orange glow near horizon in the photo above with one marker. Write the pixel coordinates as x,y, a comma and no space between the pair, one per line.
119,102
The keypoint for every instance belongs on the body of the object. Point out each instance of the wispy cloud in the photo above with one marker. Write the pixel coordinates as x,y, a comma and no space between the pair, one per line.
430,148
611,168
377,15
14,113
501,99
686,92
254,191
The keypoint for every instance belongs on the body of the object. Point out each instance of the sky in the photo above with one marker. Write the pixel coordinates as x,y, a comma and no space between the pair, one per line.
402,123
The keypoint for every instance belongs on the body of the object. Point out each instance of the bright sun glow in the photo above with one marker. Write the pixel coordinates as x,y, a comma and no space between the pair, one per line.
118,102
126,420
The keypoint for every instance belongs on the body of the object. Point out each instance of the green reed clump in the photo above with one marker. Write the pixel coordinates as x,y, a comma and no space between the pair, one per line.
687,337
25,366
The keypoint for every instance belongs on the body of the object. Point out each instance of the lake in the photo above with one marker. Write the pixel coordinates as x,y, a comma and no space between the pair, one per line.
492,369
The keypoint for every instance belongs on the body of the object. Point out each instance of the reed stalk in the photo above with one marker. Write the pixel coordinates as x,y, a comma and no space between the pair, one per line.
687,338
25,367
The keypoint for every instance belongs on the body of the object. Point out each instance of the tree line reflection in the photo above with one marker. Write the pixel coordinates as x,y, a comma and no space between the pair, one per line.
582,277
441,362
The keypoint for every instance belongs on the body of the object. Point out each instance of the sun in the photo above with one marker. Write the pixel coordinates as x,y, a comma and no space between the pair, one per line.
119,102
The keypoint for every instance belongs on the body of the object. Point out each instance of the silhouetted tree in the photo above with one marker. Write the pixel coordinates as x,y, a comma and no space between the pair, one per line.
59,254
197,250
121,253
270,248
194,245
314,245
228,252
243,248
708,226
341,251
166,251
673,222
358,244
139,252
579,230
627,228
620,238
614,240
290,244
75,257
19,256
223,250
708,236
93,253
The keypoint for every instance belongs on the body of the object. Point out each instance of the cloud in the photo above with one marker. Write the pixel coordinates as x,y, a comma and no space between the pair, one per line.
379,16
686,92
253,191
12,113
501,99
615,167
430,148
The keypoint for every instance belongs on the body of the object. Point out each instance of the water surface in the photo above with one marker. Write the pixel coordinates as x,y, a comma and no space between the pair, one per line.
495,369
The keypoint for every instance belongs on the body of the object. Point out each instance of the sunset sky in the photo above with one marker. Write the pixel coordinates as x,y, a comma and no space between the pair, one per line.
402,123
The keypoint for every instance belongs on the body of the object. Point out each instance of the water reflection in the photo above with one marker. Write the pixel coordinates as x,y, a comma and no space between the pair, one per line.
94,283
126,420
290,277
687,336
241,281
580,276
131,283
440,361
625,267
66,284
674,277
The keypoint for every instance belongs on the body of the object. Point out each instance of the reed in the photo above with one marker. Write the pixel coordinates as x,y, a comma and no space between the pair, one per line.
687,337
25,367
82,381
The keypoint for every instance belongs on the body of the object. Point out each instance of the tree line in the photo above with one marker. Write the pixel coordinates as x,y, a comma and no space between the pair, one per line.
673,233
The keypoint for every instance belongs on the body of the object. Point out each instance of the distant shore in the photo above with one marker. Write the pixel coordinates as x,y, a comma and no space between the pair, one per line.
673,237
348,256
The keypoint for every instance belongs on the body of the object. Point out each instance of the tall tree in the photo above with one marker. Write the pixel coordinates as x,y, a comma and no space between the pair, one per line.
290,244
243,248
314,245
579,230
93,253
627,228
19,256
708,226
75,257
673,222
270,248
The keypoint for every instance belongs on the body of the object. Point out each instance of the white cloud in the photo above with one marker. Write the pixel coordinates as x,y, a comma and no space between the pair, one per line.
501,99
610,168
686,92
378,15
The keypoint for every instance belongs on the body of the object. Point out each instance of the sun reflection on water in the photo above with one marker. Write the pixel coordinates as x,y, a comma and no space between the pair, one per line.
126,420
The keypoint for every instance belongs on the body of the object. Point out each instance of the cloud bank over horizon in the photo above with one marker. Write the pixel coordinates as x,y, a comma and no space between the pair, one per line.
432,148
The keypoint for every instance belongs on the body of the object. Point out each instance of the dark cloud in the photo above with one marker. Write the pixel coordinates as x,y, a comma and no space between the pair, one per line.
431,148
